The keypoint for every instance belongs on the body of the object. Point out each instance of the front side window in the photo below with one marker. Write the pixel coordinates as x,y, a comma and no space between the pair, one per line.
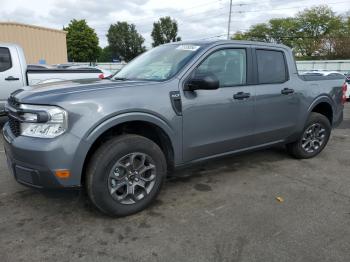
228,65
5,59
271,67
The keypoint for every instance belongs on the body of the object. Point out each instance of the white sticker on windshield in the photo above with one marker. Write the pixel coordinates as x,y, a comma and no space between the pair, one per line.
188,47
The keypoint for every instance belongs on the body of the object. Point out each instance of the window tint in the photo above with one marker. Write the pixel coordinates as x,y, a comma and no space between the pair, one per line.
228,65
271,67
5,59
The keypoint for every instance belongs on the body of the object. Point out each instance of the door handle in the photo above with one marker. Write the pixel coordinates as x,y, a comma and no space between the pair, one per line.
11,78
287,91
241,95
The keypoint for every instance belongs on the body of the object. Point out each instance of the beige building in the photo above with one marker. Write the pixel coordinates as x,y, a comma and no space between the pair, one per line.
39,44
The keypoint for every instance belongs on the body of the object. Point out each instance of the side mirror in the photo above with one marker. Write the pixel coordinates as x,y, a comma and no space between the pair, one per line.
202,81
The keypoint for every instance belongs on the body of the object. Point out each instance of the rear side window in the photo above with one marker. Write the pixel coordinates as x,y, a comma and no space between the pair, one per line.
271,67
5,59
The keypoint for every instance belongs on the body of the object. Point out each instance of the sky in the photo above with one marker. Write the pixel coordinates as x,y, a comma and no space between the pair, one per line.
197,19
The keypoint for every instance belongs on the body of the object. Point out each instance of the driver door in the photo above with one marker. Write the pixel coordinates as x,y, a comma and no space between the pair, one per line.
220,121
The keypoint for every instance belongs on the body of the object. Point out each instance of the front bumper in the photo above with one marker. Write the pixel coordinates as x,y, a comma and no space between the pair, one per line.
33,161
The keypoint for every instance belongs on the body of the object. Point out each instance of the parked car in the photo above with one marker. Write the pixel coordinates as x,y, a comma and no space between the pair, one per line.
175,105
14,73
105,73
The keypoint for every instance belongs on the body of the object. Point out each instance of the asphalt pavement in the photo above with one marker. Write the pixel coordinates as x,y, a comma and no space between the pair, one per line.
262,206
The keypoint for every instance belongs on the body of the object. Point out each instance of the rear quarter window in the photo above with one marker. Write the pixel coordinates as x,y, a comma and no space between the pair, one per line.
5,59
271,67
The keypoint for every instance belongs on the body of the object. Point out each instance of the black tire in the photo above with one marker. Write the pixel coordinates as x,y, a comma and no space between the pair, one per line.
296,149
102,163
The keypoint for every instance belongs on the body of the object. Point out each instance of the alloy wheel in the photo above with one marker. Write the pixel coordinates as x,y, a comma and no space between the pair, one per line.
132,178
313,138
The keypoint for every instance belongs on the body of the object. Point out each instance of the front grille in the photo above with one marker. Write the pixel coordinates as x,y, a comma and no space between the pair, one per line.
13,122
14,126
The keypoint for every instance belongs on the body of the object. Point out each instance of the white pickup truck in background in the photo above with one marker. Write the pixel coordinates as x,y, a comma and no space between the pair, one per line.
15,75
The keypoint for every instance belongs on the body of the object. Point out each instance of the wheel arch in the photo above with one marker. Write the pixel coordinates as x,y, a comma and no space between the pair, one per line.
144,124
323,105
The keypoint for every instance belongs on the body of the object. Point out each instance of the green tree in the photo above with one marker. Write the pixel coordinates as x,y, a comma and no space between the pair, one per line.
313,32
336,43
164,31
279,30
283,30
124,41
314,25
239,35
82,42
105,55
258,32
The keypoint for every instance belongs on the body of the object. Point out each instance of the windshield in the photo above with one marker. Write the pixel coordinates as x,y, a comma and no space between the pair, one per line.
158,64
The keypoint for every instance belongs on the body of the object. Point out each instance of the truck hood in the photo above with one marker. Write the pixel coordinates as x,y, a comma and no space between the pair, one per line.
46,92
63,84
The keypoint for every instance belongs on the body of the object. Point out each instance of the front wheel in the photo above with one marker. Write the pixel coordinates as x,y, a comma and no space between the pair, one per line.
125,175
313,139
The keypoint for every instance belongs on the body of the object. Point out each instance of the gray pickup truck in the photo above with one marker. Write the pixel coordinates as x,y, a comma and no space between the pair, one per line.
175,105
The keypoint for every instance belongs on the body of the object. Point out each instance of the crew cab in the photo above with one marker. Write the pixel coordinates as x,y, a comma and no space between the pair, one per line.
176,105
14,73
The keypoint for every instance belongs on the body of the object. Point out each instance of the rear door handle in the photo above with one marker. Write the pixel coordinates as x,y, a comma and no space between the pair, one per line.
11,78
287,91
241,95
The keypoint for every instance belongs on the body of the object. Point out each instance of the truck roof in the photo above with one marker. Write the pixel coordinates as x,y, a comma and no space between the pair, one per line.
220,42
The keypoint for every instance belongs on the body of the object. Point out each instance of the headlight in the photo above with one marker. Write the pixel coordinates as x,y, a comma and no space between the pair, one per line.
43,121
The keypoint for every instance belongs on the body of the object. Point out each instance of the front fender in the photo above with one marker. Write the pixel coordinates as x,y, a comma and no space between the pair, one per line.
99,129
96,131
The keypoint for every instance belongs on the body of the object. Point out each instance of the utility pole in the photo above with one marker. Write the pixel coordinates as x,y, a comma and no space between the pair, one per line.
229,21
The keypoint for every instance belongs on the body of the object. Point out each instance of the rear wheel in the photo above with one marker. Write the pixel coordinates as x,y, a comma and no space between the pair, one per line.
125,175
313,139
